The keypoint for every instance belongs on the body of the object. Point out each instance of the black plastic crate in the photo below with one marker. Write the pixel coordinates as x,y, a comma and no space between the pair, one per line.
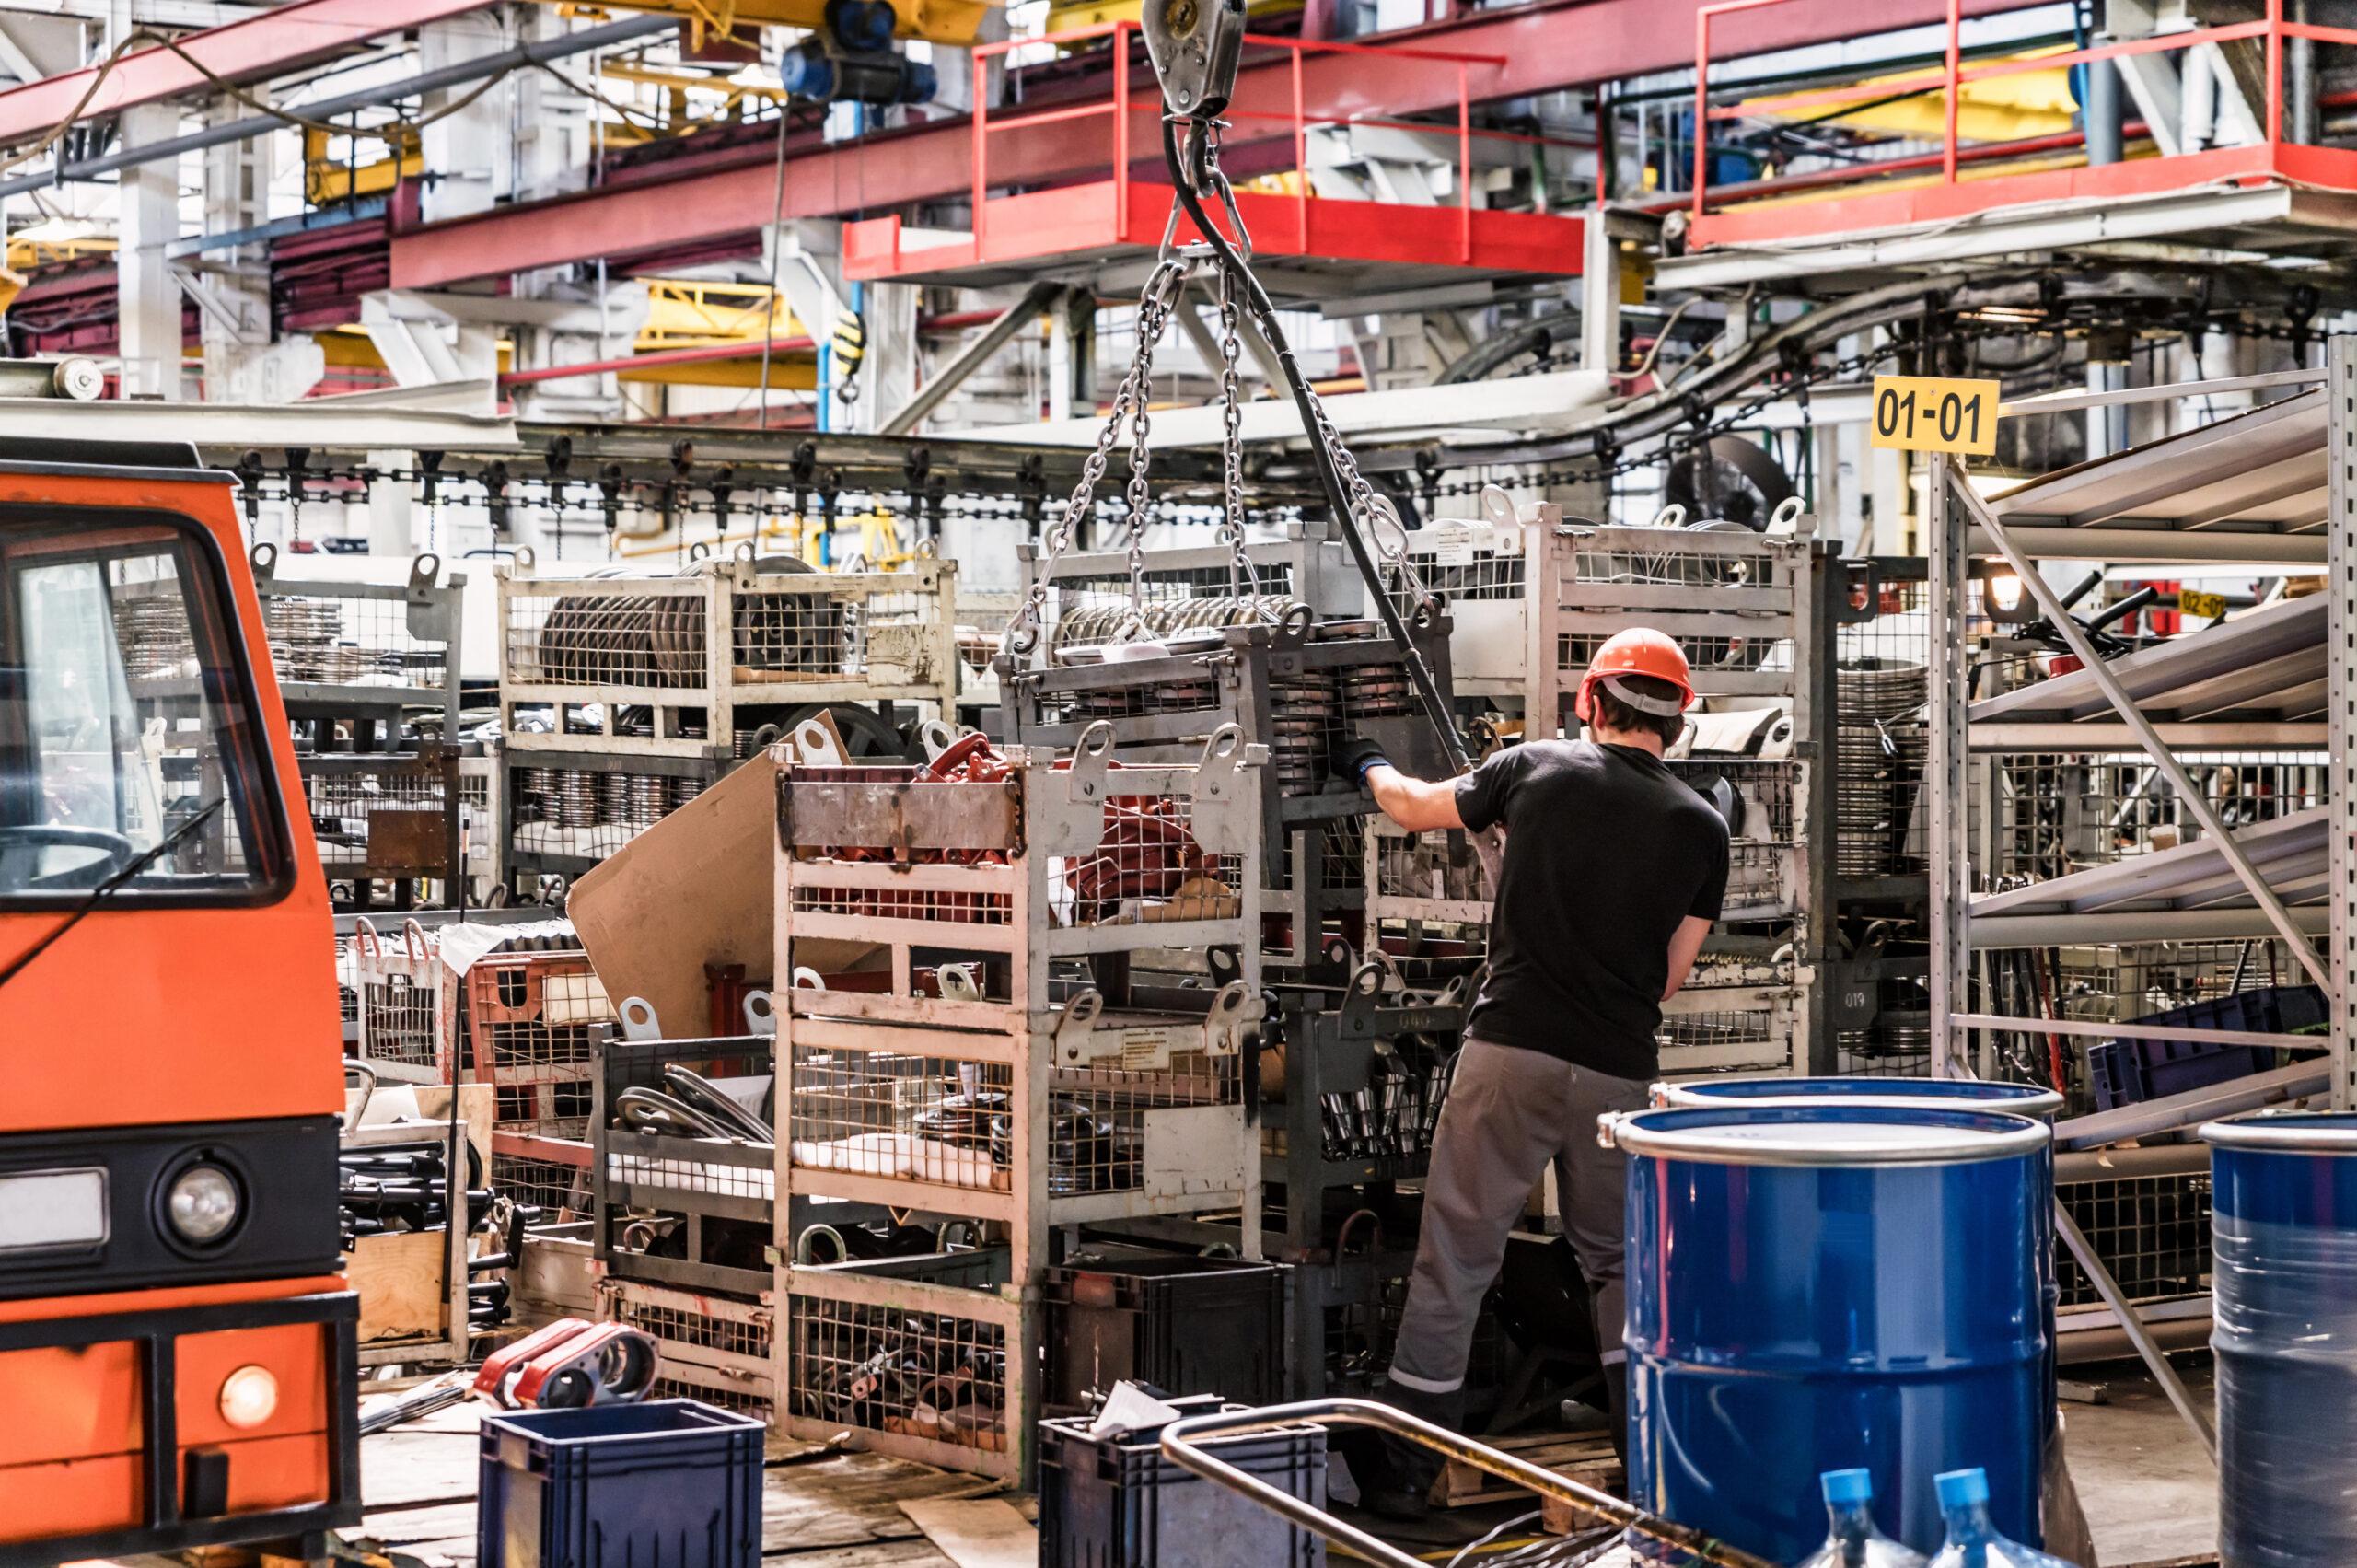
1186,1325
2130,1070
676,1483
1110,1502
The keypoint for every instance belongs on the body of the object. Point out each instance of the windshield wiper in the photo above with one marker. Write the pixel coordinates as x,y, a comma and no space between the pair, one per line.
106,888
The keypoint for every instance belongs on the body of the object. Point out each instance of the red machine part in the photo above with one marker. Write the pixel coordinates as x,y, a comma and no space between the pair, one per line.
570,1363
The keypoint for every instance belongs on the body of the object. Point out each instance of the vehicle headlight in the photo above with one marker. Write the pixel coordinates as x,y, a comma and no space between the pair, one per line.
204,1204
248,1397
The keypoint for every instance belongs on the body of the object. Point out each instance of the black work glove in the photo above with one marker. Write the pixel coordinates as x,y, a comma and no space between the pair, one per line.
1354,756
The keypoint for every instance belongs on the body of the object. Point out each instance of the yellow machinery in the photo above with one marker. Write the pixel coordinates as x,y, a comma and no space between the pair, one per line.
958,22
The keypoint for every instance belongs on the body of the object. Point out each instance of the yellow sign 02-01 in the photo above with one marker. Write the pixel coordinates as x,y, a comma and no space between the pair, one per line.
1936,413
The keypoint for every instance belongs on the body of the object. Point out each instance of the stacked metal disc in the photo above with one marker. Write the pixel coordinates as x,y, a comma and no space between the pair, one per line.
650,797
684,790
1305,721
1896,1045
1881,689
613,798
577,798
303,636
1881,773
536,794
1102,620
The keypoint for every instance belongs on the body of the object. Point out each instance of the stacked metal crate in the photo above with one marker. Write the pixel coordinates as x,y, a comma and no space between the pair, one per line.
624,697
1054,975
1287,654
369,674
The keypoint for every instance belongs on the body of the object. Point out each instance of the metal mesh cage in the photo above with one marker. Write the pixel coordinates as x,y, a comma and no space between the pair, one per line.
2048,813
928,1370
948,1122
2152,1232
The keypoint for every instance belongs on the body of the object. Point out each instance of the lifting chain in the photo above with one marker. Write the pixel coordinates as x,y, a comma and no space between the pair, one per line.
1163,289
1242,580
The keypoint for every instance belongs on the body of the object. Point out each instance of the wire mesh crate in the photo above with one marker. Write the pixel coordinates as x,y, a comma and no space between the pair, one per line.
2152,1230
1766,850
1435,878
532,1024
680,1202
1299,689
1738,1012
1480,571
568,810
1739,603
388,826
365,655
675,664
933,1359
402,1003
1001,897
960,1126
713,1349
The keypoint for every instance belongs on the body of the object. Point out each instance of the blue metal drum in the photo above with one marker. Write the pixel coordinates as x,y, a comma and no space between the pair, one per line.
2283,1236
1928,1094
1816,1287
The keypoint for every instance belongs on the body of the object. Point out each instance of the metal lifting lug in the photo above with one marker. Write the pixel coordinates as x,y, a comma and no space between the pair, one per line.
1195,46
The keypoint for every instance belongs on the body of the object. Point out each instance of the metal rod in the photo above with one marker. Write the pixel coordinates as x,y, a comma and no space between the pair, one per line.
1179,1440
475,70
2064,403
2155,1360
2195,801
2129,1029
2173,1113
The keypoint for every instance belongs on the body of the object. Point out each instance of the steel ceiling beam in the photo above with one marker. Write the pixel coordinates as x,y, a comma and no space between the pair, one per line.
1540,47
254,50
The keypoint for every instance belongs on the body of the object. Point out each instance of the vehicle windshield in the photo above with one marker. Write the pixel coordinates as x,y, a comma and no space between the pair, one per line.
123,715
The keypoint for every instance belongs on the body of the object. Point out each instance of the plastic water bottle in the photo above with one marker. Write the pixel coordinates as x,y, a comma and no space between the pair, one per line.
1973,1541
1853,1543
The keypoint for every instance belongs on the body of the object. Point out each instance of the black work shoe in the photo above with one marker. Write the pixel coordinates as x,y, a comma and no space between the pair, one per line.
1401,1504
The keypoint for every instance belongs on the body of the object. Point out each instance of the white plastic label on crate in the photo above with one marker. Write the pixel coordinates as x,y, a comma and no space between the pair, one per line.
1450,544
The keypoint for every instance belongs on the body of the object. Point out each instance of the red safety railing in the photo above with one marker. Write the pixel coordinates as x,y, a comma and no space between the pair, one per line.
1955,75
1255,120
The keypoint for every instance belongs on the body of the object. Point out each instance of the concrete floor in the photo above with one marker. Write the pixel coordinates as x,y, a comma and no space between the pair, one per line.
2150,1493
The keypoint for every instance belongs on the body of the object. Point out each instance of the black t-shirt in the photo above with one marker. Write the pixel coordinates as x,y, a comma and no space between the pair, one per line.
1606,853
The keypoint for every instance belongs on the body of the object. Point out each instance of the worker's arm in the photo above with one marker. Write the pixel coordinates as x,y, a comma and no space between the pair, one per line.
1415,804
1684,945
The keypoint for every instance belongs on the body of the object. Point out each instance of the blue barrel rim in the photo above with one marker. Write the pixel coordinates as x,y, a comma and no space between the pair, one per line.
2286,1131
1973,1135
1758,1088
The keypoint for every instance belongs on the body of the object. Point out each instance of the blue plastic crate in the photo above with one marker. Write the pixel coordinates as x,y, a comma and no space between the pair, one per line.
1117,1502
2127,1070
678,1484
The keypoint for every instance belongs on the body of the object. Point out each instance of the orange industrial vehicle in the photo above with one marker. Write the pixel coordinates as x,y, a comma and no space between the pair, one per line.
176,1337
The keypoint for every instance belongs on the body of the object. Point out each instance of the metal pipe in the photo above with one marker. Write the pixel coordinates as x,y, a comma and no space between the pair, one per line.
458,75
1179,1437
2107,122
1021,314
2302,105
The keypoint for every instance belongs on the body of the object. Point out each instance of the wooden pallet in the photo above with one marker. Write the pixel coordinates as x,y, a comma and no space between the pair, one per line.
1584,1456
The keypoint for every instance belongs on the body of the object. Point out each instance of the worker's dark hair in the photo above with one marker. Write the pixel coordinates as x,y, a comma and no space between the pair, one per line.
1613,714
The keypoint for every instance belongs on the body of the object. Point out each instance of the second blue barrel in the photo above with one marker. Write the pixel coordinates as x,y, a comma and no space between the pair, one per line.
1926,1093
2283,1235
1818,1287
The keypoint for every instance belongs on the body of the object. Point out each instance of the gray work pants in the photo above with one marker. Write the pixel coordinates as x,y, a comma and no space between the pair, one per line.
1509,1114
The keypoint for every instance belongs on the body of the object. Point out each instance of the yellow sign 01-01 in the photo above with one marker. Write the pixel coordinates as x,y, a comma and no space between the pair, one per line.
1936,413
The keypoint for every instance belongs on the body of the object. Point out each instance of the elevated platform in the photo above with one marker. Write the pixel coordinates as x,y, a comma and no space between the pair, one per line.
1311,247
2257,201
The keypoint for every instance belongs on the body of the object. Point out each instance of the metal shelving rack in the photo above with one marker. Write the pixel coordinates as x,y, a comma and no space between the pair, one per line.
2271,489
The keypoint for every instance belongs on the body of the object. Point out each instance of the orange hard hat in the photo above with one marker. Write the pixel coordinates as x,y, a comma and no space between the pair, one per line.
1640,650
